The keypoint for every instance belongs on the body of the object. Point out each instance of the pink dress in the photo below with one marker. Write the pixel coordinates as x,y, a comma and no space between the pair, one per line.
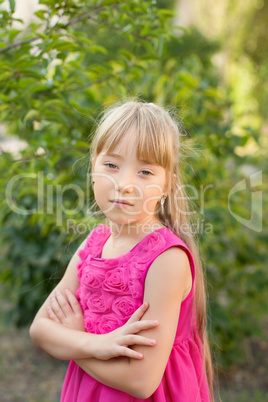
110,291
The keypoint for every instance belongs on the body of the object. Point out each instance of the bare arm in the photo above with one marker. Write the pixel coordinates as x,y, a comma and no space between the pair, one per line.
167,279
59,341
67,342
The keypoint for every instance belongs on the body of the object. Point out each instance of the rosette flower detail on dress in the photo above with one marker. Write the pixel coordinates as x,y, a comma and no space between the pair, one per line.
125,306
116,281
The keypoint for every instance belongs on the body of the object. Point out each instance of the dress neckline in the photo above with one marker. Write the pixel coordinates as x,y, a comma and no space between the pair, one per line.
106,237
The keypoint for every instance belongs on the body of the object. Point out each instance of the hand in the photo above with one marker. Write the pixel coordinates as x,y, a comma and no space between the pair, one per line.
117,342
66,310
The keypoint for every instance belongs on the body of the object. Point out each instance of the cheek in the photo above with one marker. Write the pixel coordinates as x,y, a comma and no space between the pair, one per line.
152,196
103,182
154,191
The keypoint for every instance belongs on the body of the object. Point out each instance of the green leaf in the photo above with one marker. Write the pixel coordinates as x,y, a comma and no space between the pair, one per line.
13,33
42,14
6,75
96,48
18,20
31,115
127,54
62,45
42,35
182,28
188,79
12,5
53,102
39,87
25,83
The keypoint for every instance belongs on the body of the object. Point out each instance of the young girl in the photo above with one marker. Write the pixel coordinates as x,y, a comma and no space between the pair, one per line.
96,316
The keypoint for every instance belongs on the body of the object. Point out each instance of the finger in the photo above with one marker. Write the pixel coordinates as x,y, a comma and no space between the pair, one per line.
137,340
73,302
51,315
63,303
139,312
54,304
123,351
138,326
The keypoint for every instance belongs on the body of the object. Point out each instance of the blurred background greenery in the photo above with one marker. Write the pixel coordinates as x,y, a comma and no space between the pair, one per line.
60,63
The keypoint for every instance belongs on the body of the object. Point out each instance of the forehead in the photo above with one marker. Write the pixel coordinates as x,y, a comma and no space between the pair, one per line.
126,147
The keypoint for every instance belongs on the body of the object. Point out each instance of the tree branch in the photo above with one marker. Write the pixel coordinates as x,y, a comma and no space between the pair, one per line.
12,45
71,22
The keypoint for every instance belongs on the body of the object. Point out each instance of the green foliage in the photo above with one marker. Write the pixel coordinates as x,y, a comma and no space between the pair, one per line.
55,76
33,263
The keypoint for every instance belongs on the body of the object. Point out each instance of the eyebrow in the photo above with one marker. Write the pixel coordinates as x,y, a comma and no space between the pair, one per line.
120,157
112,154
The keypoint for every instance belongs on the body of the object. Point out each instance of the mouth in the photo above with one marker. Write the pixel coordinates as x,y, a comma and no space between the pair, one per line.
123,202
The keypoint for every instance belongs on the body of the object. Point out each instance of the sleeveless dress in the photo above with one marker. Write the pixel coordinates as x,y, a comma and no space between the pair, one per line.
110,291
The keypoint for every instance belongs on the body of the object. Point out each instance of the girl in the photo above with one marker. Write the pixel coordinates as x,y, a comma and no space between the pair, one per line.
117,351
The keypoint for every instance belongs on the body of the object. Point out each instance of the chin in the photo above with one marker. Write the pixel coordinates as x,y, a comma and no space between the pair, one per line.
122,220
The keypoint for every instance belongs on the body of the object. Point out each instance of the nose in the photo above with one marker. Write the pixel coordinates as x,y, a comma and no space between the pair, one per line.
125,183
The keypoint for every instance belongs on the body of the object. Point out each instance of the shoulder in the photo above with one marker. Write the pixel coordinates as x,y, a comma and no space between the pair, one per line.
171,271
173,260
174,254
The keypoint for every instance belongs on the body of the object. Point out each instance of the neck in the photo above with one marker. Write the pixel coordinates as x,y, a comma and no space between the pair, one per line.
134,231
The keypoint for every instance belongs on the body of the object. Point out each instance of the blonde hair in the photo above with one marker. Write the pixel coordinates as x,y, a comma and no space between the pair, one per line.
158,141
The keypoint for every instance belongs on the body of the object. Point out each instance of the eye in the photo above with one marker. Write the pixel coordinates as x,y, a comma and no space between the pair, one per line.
110,165
146,173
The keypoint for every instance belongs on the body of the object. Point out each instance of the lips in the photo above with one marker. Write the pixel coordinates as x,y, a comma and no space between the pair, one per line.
122,202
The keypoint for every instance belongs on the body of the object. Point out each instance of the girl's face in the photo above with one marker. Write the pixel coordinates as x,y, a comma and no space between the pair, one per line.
127,189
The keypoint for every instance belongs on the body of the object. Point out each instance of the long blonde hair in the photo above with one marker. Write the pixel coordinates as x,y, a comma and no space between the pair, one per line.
158,141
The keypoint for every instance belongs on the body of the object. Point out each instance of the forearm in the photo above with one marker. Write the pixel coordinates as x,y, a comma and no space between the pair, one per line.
115,373
139,378
61,342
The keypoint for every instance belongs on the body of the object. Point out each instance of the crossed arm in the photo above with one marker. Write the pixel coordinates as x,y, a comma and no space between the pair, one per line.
64,336
167,282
